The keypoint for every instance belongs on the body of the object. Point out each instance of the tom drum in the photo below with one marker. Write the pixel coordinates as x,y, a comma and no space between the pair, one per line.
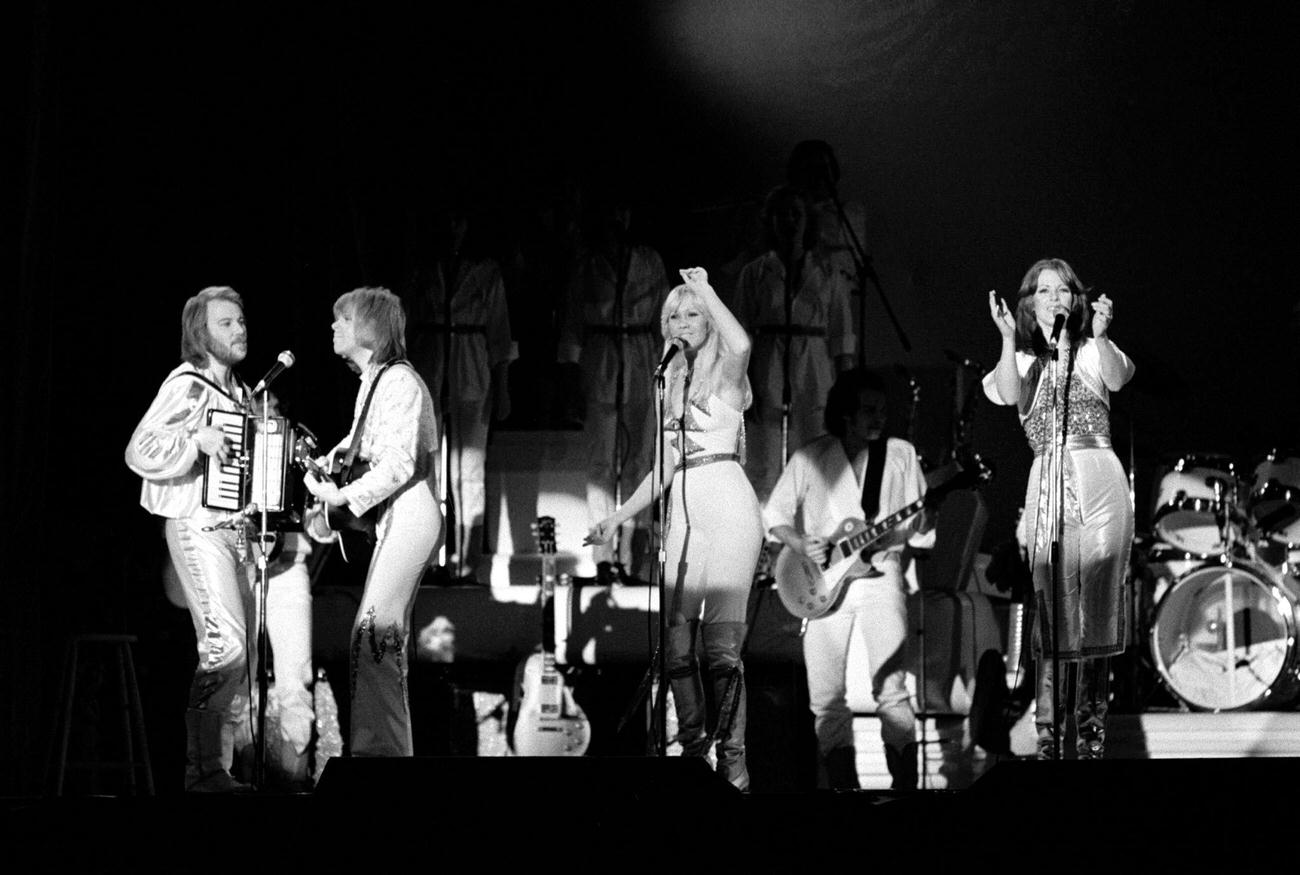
1274,502
1188,506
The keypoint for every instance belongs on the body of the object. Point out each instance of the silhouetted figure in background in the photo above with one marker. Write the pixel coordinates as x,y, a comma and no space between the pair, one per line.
797,309
461,296
545,242
610,325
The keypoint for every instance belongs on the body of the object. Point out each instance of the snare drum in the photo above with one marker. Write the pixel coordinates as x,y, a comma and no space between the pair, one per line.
1274,503
1187,510
1224,638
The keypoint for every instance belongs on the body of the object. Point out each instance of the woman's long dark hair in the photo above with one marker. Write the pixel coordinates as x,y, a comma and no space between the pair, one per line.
1029,337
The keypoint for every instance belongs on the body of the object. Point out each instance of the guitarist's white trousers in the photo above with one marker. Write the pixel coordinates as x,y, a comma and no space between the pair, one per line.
875,609
408,534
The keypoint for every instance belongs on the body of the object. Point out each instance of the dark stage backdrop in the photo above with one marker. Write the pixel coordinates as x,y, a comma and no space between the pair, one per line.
297,150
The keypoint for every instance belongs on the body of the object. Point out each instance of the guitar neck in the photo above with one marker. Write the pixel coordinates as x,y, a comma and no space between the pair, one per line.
548,609
874,532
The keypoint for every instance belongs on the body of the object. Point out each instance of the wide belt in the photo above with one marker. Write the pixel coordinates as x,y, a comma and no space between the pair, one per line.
706,459
1082,442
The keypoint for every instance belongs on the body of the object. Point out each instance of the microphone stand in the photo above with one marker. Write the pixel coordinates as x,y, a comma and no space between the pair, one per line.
263,589
1057,509
620,327
786,393
862,262
660,494
451,544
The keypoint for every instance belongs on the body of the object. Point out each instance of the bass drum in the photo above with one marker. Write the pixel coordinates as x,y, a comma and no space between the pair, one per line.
1224,638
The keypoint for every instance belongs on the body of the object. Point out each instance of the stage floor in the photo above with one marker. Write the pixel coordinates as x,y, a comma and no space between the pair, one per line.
621,814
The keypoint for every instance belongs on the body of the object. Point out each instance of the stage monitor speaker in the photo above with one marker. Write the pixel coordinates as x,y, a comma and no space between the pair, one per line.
1144,783
569,783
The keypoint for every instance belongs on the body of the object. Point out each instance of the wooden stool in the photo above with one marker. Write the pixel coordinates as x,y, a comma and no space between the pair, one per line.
135,739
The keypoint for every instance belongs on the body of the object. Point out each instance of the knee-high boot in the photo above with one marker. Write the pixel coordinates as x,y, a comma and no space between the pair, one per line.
902,765
204,770
1093,704
1050,729
722,644
688,689
842,768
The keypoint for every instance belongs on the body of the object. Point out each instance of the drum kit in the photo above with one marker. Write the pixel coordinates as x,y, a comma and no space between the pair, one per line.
1224,562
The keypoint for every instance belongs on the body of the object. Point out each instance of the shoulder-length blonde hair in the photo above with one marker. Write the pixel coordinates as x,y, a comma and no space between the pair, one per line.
379,322
195,340
707,357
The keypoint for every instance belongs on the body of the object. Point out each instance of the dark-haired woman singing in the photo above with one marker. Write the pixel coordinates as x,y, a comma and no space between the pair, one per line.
1059,366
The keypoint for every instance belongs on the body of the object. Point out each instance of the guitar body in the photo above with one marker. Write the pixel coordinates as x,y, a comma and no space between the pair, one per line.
354,533
550,722
806,589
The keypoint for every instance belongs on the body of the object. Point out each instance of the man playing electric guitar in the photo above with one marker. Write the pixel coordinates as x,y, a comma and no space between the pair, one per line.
854,472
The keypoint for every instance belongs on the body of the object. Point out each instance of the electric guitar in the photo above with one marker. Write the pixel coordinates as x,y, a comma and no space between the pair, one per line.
550,722
810,590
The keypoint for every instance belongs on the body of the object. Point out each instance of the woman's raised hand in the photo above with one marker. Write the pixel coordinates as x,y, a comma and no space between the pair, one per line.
1103,311
1002,317
695,277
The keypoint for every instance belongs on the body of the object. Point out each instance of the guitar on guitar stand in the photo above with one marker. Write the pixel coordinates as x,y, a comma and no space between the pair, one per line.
550,721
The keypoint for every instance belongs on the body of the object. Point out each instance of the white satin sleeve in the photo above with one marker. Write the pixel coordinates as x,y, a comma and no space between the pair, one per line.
390,440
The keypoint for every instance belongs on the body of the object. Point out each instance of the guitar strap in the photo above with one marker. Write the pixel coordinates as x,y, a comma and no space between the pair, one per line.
874,474
351,457
202,379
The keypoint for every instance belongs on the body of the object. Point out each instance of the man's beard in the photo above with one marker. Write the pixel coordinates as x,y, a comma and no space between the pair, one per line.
224,354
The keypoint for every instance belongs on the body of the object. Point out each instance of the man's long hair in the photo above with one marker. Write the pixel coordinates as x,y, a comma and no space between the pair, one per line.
196,343
378,321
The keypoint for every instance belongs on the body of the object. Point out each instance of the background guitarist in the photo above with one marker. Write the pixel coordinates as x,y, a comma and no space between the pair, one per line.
854,471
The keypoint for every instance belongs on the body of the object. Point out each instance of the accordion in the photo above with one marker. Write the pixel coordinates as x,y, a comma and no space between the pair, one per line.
258,468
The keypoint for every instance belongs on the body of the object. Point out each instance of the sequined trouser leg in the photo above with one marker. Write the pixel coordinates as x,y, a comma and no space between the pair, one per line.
381,715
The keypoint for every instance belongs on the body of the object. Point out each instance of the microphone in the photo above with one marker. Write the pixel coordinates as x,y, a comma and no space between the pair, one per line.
282,361
675,346
1057,325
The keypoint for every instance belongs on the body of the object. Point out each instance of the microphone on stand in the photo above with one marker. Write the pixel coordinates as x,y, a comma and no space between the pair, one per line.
675,346
1057,324
282,361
